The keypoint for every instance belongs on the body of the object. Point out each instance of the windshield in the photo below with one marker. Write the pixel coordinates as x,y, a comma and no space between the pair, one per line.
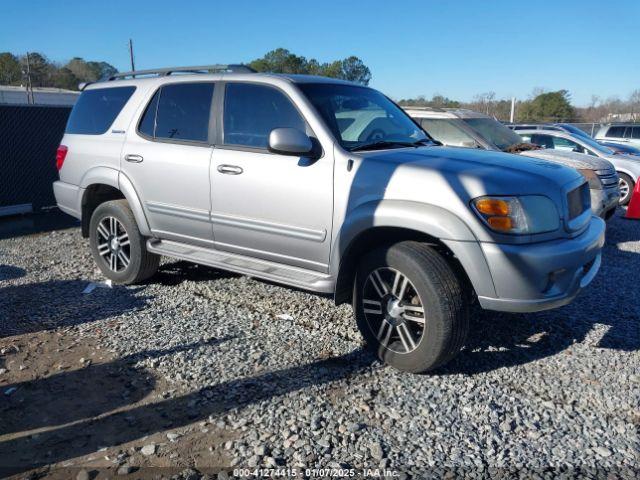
574,130
494,132
362,118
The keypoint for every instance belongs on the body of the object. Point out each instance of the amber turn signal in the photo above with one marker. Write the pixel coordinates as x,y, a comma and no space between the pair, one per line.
492,206
502,224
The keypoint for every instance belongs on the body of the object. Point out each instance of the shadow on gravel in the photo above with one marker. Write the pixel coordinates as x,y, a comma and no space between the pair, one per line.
27,452
84,393
170,274
19,225
9,272
33,307
499,340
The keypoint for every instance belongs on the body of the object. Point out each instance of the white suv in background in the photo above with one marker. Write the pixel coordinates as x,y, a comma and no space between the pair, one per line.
620,133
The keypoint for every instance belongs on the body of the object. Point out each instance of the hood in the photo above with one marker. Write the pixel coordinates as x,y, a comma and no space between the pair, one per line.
570,159
481,171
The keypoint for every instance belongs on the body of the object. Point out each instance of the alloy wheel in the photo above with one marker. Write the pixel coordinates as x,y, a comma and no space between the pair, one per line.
393,310
624,190
113,244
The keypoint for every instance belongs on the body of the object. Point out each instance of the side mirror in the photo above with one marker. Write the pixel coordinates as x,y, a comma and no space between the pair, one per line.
289,141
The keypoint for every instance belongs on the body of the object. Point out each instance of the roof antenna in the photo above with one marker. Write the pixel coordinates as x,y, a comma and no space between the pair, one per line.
133,66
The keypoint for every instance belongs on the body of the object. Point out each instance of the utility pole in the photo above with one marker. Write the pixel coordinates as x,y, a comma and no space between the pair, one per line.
513,109
30,99
133,65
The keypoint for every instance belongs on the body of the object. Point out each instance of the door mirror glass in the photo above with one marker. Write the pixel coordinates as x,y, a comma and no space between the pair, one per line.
289,141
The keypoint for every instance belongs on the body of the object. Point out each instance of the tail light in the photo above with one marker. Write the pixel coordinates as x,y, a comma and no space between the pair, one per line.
61,154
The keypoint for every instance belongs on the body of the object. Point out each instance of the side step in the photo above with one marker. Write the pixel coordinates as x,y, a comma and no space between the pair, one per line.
275,272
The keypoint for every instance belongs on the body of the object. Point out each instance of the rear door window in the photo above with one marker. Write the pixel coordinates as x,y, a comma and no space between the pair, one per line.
96,110
183,112
252,111
635,133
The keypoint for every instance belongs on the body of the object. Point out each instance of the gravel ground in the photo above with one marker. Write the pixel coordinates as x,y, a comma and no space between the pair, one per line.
283,374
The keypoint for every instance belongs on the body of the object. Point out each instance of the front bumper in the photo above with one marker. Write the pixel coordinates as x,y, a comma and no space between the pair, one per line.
604,201
534,277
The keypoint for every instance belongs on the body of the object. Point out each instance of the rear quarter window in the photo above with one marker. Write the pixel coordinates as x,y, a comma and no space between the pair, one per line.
95,110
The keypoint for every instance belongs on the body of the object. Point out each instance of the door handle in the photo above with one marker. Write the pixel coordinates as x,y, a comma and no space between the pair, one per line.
230,169
133,158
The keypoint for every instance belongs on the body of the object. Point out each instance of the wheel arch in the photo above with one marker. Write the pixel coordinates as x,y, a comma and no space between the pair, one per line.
627,172
387,222
103,184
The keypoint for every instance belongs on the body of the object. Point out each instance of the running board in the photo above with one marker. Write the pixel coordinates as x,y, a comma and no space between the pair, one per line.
275,272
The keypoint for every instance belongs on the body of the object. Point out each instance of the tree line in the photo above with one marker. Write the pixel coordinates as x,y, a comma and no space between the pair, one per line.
45,73
282,60
541,106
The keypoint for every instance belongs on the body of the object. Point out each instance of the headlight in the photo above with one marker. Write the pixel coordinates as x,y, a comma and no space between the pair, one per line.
528,214
592,177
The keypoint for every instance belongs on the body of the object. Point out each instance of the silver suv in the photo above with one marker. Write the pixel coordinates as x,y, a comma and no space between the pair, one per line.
327,186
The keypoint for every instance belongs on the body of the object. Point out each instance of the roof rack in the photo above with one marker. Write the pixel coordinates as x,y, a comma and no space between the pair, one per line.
162,72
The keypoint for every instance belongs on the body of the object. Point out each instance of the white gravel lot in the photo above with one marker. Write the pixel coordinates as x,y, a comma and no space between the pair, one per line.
284,370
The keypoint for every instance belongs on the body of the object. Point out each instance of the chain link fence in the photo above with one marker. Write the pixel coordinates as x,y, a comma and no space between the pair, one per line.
29,137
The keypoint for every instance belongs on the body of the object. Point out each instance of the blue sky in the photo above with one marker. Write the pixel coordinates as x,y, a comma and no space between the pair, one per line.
455,48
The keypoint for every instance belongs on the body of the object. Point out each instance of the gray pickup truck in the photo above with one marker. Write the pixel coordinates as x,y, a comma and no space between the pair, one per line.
327,186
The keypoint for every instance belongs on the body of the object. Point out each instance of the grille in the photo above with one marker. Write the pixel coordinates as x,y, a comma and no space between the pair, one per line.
608,177
578,200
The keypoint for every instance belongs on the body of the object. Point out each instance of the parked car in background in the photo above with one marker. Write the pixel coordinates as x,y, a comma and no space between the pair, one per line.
565,127
627,166
620,133
328,186
466,128
621,148
624,148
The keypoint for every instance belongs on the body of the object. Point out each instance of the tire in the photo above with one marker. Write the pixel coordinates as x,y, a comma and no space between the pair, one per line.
627,183
436,337
114,220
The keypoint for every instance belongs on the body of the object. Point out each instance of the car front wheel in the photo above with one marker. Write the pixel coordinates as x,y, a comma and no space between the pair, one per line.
410,306
626,184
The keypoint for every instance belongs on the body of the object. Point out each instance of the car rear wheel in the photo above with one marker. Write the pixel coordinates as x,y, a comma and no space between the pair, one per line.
117,246
626,184
410,306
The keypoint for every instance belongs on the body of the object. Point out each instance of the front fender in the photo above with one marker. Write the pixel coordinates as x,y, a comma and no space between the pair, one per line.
630,167
431,220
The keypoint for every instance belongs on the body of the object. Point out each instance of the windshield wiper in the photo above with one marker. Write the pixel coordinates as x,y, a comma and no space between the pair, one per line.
380,144
426,141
